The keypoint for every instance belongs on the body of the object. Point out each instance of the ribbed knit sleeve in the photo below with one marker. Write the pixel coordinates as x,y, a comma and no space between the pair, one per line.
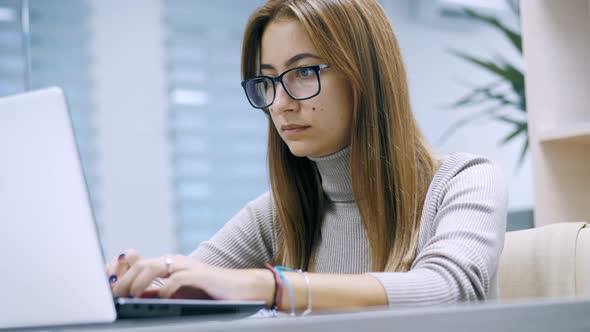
459,243
461,237
245,241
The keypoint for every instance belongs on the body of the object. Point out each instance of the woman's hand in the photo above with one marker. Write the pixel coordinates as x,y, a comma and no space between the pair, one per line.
187,278
119,265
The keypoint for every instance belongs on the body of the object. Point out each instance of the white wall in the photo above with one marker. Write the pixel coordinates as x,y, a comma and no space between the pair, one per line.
136,208
131,95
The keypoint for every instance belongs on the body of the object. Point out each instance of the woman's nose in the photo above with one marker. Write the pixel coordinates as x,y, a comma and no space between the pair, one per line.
283,102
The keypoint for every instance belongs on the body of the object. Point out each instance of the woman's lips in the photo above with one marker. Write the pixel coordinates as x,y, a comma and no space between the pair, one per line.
293,129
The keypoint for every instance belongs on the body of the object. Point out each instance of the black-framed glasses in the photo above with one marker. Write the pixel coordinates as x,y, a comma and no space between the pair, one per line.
300,83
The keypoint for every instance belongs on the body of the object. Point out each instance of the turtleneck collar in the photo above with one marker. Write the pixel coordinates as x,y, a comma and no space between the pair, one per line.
335,172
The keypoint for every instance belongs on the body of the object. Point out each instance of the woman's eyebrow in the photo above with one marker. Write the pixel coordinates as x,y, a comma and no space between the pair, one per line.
291,61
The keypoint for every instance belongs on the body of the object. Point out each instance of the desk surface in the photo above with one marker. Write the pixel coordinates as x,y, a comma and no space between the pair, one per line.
557,315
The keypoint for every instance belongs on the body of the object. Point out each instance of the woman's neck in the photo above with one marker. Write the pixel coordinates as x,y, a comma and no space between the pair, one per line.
335,172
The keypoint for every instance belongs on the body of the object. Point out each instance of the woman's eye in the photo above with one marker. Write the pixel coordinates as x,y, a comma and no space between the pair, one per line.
304,72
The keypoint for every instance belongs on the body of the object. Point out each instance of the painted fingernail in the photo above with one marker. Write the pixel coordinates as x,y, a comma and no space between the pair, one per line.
121,256
112,279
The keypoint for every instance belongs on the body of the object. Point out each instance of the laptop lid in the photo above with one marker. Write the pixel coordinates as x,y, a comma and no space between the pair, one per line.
51,264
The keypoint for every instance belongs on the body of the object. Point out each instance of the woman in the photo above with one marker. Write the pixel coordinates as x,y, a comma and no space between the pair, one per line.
357,198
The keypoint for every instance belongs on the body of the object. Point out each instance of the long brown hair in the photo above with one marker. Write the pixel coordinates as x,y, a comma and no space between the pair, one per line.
391,165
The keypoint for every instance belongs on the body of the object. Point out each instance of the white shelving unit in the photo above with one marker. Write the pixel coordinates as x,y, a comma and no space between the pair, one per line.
572,134
556,41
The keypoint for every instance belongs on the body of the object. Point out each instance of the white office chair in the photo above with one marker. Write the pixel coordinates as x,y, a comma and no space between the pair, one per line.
548,261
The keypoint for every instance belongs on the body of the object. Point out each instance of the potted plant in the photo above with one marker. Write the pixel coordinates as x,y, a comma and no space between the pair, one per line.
504,98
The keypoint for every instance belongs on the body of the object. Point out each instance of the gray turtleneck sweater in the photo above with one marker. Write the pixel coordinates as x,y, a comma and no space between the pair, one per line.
460,240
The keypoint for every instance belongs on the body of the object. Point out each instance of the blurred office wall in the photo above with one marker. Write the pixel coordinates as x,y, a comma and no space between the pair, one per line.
213,143
132,116
178,148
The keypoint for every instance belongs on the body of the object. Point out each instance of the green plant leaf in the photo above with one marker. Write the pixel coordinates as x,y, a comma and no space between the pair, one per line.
512,121
483,95
514,37
510,76
507,72
514,6
477,96
464,121
516,76
523,154
520,129
501,98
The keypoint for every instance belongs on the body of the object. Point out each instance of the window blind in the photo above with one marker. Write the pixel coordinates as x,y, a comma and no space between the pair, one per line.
12,62
55,51
219,141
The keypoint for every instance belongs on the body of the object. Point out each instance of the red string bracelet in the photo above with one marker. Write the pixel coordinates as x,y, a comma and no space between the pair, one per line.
278,293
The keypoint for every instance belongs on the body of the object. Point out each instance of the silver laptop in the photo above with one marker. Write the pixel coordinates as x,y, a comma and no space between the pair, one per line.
51,263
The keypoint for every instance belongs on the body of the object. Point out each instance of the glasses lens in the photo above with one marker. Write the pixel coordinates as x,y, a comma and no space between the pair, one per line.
302,82
260,91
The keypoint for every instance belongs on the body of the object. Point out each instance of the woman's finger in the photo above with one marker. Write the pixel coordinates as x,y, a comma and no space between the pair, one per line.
172,284
131,256
123,285
120,265
184,285
141,273
125,261
111,267
151,270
